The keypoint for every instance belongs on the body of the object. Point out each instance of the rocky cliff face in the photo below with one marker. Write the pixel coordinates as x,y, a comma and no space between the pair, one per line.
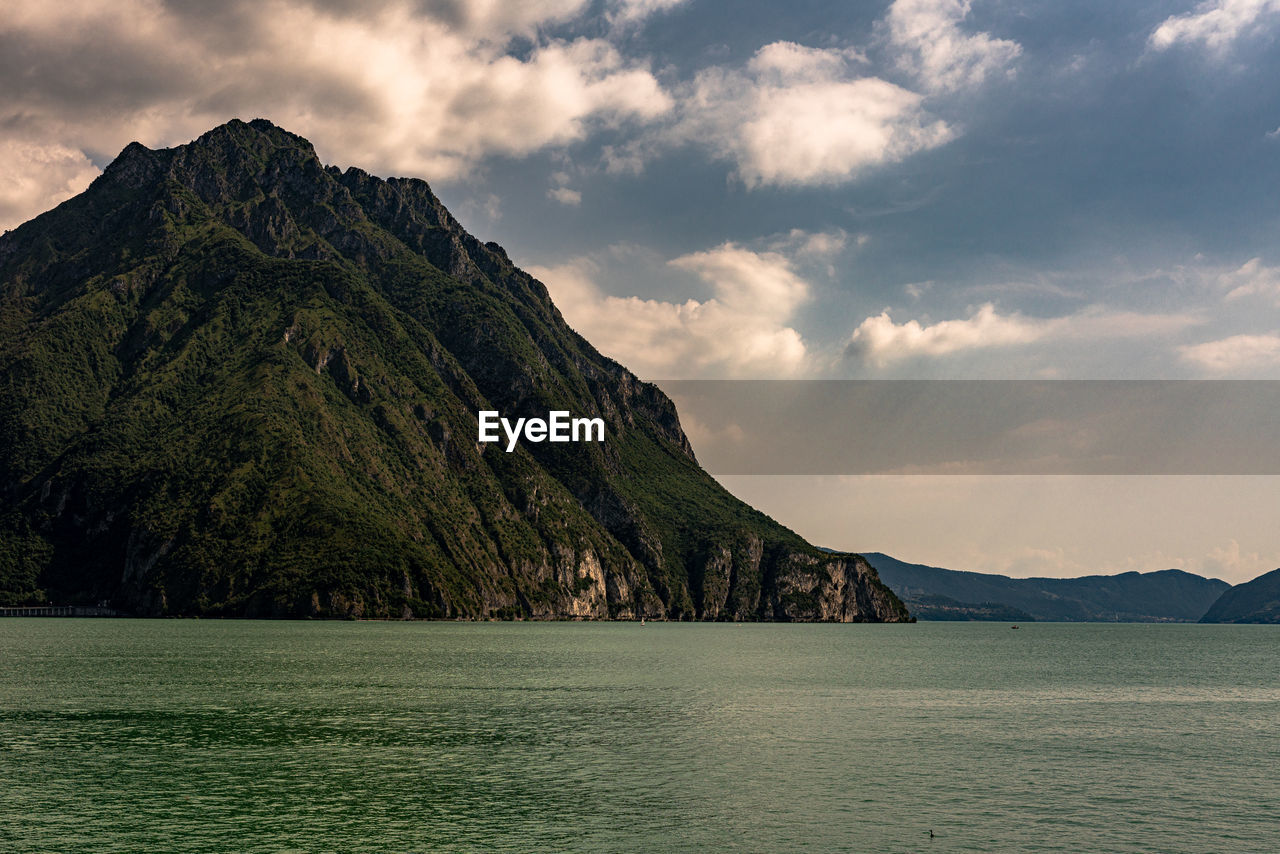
238,382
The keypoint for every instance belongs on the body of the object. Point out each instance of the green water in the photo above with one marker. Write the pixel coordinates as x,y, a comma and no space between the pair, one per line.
129,735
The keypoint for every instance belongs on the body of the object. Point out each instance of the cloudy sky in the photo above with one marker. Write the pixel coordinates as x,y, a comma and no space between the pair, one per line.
889,190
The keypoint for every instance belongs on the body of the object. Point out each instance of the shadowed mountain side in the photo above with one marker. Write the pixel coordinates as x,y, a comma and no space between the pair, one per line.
239,382
1169,595
1256,601
925,607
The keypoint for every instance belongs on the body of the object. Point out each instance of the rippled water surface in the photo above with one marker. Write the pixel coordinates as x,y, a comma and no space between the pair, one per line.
131,735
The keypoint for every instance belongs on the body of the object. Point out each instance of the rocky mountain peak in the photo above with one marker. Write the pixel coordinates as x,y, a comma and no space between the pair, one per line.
241,382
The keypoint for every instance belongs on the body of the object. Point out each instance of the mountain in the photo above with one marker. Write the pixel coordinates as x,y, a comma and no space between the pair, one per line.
238,382
939,608
1256,601
1169,595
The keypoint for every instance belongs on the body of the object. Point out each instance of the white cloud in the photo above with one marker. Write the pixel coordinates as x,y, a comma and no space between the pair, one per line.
493,207
741,331
430,89
1231,561
386,86
633,11
37,177
703,435
565,196
800,116
814,245
791,62
934,48
1216,24
500,19
1236,354
881,341
1253,278
915,290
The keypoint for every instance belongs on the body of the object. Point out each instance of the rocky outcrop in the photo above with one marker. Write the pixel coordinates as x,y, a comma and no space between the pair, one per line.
839,589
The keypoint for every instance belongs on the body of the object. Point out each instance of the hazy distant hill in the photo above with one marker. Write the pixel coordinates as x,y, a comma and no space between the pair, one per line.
1256,601
236,381
1170,595
926,607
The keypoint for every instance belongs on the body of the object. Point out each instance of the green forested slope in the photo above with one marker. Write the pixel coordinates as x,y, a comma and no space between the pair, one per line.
1256,601
236,382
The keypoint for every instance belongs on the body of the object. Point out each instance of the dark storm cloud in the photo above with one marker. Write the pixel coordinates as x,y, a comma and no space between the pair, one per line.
87,76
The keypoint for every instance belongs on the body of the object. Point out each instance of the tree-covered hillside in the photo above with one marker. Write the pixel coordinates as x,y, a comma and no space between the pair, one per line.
234,381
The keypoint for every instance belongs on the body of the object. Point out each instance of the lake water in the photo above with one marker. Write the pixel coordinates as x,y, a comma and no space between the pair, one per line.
209,736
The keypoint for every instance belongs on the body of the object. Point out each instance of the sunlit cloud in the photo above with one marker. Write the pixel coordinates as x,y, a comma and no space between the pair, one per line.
1252,279
933,46
1235,354
880,340
743,330
803,116
388,86
1216,24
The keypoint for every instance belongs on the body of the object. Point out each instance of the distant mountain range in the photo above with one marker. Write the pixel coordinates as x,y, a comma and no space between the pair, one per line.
944,608
1256,601
1167,596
